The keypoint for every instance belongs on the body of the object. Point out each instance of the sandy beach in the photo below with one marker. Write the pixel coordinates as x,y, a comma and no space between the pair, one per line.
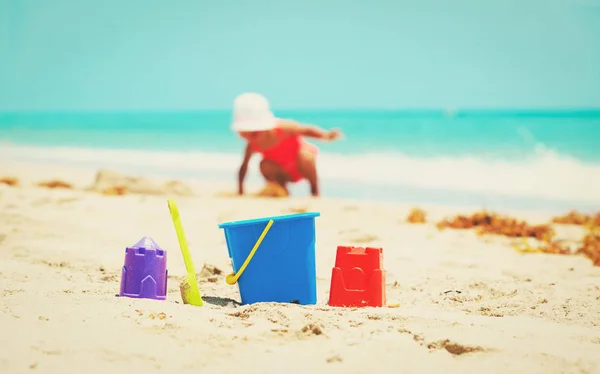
462,303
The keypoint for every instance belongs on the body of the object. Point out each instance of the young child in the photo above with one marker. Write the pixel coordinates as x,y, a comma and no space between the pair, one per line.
287,157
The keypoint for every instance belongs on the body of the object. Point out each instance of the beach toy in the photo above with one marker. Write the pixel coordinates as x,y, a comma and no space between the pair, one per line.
358,278
144,274
273,258
190,293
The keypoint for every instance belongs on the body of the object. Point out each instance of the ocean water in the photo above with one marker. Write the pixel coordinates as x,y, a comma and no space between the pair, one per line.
546,160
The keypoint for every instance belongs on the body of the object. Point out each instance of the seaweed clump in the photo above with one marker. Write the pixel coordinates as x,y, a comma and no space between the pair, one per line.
115,191
590,245
576,218
9,181
492,223
55,183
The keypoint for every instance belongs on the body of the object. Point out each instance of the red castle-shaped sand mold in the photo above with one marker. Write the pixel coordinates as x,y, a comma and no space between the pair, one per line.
358,278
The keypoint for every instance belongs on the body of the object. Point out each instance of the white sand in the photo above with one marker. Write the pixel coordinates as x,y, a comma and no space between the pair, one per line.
467,304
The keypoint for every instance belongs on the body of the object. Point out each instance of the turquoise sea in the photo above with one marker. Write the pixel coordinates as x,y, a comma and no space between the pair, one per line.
547,160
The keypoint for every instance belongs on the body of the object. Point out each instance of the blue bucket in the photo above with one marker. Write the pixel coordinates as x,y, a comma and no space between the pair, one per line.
283,267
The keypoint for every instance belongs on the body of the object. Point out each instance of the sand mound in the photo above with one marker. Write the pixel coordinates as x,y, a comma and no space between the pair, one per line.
273,190
111,182
417,215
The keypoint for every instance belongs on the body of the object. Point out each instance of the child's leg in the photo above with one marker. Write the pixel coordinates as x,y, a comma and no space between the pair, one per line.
273,172
307,166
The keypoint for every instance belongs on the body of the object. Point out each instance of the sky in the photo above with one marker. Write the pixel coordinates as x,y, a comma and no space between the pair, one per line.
394,54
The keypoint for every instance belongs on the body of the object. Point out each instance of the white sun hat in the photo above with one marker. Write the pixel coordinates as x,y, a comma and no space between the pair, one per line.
251,112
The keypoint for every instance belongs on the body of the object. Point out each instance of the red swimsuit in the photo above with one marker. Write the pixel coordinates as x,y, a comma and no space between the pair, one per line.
286,152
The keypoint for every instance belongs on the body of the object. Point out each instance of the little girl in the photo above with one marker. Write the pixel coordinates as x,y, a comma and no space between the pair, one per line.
287,157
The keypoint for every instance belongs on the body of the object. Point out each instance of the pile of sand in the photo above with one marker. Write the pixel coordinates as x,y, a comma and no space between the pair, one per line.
111,182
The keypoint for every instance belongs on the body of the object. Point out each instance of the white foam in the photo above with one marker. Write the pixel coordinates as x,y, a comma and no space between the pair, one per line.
545,174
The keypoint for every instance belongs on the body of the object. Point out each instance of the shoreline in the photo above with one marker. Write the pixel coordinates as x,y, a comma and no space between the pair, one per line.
542,178
83,176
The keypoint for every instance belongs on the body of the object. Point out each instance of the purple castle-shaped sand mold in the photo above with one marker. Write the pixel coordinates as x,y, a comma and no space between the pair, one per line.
145,272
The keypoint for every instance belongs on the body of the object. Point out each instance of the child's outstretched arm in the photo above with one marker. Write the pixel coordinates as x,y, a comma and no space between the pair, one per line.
243,169
310,131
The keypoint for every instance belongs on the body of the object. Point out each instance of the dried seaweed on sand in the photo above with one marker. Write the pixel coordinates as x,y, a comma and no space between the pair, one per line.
55,183
492,223
590,246
576,218
554,247
115,191
9,181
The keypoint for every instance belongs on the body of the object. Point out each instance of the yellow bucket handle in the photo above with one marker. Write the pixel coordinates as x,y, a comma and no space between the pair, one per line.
232,278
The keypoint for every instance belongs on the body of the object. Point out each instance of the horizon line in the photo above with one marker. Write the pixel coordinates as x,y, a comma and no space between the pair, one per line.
374,109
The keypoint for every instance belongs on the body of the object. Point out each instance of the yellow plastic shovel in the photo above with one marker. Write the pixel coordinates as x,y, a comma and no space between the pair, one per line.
190,293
